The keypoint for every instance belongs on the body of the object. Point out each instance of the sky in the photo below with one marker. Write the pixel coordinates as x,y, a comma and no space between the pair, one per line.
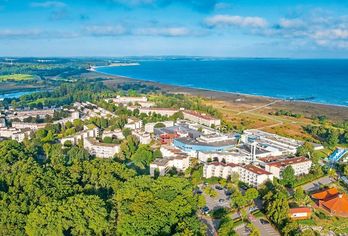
219,28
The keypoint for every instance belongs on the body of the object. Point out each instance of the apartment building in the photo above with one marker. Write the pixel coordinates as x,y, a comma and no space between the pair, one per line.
301,166
172,157
102,150
201,118
249,174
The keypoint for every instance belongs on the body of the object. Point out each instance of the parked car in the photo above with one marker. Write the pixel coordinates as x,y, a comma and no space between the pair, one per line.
218,187
221,200
205,210
264,222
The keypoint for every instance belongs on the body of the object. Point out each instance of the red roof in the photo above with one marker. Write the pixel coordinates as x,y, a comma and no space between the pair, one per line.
326,194
200,115
256,170
338,205
288,161
223,164
300,210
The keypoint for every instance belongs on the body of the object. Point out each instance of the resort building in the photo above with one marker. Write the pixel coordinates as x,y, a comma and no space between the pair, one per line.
102,150
113,134
201,118
172,158
249,174
253,175
31,126
332,201
213,143
15,134
220,169
127,100
143,137
301,166
232,156
87,133
160,111
149,127
21,115
134,123
300,213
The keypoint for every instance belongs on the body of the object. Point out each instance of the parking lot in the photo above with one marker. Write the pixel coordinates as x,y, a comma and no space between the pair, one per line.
265,228
221,200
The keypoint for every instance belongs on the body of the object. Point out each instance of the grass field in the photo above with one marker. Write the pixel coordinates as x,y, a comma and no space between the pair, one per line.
16,77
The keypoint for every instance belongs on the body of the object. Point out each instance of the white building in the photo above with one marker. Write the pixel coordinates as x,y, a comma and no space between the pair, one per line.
102,150
272,141
21,115
201,118
233,156
24,125
87,133
134,123
15,134
126,100
254,175
2,122
172,157
149,127
301,166
160,111
113,133
143,137
249,174
220,169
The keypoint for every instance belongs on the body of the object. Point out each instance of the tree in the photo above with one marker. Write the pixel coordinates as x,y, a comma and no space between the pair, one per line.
306,149
238,200
290,228
277,207
345,170
226,227
300,196
143,156
78,215
288,177
251,194
143,202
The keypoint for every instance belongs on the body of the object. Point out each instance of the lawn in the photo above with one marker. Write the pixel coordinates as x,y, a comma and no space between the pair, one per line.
16,77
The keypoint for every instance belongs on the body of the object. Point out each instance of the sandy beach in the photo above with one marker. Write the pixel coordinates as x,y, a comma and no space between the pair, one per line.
242,101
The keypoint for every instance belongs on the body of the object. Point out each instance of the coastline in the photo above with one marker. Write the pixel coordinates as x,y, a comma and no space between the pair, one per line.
308,108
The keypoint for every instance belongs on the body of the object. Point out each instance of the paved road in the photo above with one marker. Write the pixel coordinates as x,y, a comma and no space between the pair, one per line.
213,202
240,230
315,185
265,229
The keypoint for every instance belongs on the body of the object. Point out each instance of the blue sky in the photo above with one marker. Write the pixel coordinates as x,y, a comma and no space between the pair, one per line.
226,28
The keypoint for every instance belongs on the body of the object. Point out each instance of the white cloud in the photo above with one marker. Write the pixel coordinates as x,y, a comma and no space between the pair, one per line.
228,20
331,34
170,31
105,30
291,23
49,4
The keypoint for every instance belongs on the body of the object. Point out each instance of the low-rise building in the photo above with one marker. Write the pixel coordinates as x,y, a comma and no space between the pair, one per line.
102,150
113,134
253,175
160,111
201,118
301,166
25,125
149,127
75,138
143,137
300,213
134,123
220,169
249,174
127,100
231,156
172,157
15,134
21,115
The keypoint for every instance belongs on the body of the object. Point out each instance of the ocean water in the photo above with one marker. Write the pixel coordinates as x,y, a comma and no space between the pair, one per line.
16,94
322,81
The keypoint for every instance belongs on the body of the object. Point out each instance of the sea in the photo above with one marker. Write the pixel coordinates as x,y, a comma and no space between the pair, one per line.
313,80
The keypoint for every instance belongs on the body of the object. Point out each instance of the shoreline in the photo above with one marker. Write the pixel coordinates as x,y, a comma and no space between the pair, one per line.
219,91
332,111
